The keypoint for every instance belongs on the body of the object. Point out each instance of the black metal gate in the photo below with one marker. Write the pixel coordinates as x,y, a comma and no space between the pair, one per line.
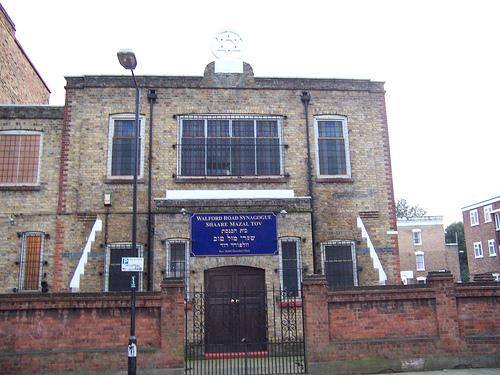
244,332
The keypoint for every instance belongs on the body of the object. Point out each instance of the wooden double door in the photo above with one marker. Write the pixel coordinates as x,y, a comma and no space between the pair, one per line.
235,310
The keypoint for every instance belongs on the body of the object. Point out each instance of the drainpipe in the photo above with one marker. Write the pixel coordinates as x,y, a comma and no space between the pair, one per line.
152,96
306,98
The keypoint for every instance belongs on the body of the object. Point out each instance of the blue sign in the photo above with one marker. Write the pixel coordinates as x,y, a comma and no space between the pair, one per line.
234,234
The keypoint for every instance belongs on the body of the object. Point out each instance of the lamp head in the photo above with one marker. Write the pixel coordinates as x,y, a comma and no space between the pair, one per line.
127,59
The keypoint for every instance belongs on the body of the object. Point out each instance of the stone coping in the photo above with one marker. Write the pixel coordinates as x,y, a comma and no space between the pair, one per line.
31,112
198,82
300,204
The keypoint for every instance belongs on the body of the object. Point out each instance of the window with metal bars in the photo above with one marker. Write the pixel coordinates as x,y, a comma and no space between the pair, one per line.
115,280
332,146
230,146
339,263
20,153
178,260
290,260
122,146
30,264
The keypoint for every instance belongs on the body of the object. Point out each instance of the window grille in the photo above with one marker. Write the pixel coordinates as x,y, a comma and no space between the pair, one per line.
177,260
30,264
19,157
291,274
115,279
230,146
339,263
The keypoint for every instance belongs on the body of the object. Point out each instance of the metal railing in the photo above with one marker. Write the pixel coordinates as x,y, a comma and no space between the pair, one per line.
244,332
230,157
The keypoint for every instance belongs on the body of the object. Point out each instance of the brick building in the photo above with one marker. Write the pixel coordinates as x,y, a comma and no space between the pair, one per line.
422,249
482,236
226,148
20,82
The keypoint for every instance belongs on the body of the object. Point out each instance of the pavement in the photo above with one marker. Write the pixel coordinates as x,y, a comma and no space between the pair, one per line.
469,371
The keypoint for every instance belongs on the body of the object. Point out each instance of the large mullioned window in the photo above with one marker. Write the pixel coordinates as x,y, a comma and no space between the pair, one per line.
230,146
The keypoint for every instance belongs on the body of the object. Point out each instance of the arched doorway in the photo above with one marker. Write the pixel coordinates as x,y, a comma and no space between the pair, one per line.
235,309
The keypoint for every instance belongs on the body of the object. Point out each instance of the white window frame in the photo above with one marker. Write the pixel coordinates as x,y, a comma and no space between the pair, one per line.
492,251
22,256
107,259
40,150
474,217
413,232
405,276
478,250
422,254
422,278
345,132
187,253
111,132
497,220
353,254
230,118
299,262
487,213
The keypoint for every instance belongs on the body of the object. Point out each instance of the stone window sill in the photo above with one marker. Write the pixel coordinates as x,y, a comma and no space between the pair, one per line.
337,180
122,181
231,180
21,187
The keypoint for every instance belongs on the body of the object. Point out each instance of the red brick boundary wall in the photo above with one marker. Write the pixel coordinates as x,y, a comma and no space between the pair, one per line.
397,328
89,332
355,330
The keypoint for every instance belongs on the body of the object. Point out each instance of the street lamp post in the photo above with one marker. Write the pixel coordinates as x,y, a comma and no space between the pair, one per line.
128,60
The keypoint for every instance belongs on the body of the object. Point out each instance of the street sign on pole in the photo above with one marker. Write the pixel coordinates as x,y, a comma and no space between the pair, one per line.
132,264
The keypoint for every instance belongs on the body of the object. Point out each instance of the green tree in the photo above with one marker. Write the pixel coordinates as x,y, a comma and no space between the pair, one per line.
405,211
454,233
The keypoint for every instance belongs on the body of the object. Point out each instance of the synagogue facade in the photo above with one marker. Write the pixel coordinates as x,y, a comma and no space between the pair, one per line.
244,182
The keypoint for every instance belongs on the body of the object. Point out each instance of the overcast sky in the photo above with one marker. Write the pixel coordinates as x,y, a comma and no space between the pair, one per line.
440,61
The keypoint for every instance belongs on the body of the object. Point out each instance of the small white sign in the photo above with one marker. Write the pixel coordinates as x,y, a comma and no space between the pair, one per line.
132,349
132,264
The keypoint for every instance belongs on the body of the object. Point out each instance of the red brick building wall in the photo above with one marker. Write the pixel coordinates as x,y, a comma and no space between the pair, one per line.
482,232
20,83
